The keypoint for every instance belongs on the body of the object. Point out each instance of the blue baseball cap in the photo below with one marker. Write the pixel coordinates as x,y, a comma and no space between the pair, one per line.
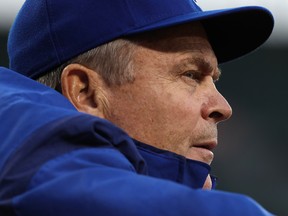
47,33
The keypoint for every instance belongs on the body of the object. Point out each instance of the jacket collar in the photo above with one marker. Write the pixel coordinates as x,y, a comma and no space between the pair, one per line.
170,166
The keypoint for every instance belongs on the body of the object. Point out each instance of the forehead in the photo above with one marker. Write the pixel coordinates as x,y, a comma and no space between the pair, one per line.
173,50
183,41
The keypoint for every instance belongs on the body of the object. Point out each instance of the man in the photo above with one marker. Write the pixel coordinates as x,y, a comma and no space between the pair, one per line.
147,67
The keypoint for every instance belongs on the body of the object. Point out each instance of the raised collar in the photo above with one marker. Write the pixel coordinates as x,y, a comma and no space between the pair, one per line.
170,166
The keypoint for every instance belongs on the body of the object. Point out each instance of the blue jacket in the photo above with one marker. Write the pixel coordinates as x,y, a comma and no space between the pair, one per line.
57,161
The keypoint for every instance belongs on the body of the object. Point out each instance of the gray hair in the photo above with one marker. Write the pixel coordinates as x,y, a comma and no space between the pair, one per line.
112,61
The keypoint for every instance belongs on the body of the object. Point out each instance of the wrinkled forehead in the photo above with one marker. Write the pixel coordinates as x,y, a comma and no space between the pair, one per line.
186,44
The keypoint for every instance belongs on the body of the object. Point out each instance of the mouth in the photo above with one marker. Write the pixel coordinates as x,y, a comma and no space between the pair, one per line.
202,152
206,145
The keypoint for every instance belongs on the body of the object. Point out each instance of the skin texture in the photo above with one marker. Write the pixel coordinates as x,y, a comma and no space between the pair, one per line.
172,104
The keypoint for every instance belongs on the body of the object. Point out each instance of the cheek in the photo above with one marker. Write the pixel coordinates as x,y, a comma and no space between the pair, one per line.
182,106
176,116
161,117
182,118
174,126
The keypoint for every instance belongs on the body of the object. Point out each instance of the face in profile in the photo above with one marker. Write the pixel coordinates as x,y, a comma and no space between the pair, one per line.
173,103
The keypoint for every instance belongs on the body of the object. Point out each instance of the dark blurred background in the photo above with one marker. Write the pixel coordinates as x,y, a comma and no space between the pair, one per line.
252,154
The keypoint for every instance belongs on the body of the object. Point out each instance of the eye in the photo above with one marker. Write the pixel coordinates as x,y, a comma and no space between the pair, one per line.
189,74
192,75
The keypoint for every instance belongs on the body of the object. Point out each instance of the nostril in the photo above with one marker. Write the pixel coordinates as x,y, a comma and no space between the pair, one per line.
217,116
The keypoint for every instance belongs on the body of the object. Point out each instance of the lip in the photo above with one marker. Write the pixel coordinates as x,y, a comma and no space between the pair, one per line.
206,145
202,152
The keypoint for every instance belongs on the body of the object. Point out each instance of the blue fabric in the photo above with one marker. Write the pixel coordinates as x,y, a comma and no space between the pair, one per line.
17,103
47,33
167,165
57,161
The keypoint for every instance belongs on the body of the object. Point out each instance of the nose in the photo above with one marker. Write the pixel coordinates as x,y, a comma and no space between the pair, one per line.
216,108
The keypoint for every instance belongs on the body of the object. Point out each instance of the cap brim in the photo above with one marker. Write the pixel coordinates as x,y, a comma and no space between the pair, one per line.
232,32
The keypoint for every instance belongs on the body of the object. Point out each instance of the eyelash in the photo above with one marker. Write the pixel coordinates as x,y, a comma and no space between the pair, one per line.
193,75
197,76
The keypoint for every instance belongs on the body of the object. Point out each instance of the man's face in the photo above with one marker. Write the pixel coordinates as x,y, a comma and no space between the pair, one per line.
173,103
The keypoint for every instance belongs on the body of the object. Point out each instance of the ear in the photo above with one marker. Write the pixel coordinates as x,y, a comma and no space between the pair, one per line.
84,88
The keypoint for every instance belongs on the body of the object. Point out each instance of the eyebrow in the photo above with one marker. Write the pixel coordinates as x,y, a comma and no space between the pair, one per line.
204,66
